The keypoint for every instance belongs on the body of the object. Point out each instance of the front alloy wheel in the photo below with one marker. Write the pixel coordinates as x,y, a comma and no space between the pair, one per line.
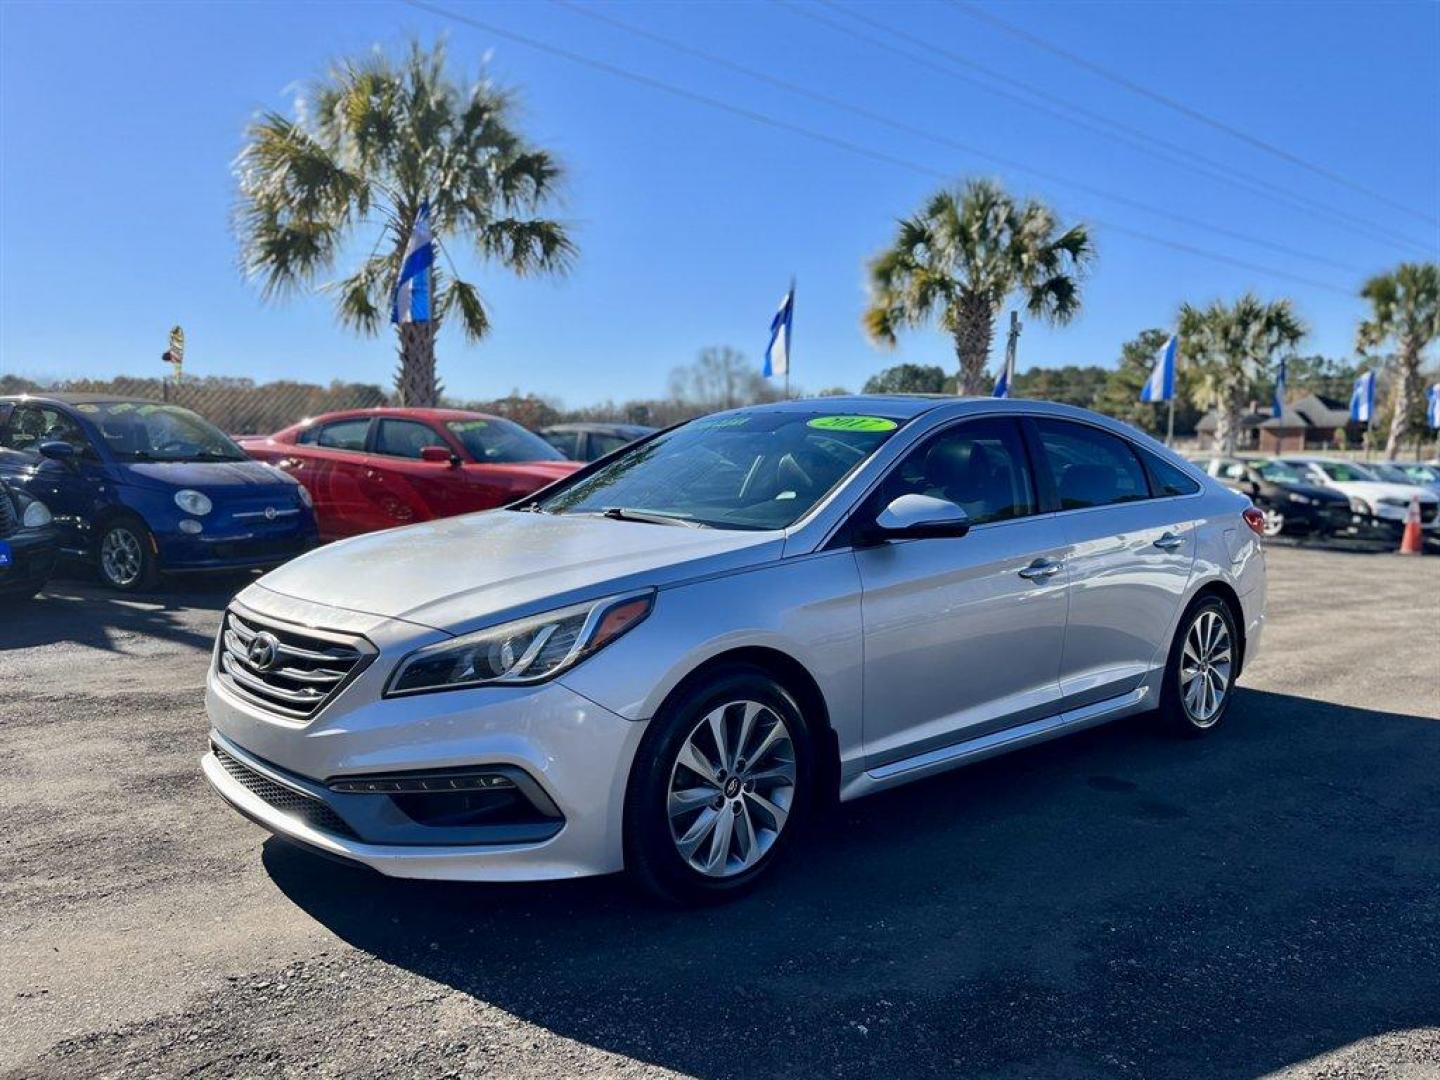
720,787
1273,524
126,560
731,788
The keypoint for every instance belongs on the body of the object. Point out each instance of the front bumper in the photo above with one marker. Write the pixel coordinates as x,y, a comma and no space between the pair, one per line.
235,550
32,558
575,753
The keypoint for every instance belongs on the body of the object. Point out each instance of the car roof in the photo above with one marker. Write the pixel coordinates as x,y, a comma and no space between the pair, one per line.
599,426
81,399
891,406
398,412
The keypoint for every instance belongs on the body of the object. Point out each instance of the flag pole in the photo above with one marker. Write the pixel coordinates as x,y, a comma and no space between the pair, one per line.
790,337
1170,424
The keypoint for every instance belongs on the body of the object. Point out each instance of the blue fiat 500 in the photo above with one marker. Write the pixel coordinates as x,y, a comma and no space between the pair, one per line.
142,487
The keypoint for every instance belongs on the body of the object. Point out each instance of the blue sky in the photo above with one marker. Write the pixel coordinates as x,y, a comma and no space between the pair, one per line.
119,123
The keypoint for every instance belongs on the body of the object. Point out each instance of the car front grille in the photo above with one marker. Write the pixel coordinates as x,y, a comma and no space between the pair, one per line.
285,669
287,800
9,517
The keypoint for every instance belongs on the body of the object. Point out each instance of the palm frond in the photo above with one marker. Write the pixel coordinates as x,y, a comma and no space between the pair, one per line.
462,299
527,246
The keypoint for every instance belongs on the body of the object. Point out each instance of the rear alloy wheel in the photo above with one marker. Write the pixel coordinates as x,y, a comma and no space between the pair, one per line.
717,788
1274,523
127,558
1200,675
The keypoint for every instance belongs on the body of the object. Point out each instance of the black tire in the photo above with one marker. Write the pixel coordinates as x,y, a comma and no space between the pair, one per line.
114,532
1176,709
652,855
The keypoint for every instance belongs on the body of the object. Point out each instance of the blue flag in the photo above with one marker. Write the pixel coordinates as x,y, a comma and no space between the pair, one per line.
1161,384
1362,398
1002,384
777,353
1279,405
1432,406
412,292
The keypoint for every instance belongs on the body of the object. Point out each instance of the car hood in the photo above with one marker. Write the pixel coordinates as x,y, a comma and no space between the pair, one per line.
212,477
456,574
1313,491
1380,489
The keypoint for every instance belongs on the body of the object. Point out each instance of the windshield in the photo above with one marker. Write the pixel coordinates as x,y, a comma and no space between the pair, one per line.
1344,472
1277,472
497,442
760,469
147,431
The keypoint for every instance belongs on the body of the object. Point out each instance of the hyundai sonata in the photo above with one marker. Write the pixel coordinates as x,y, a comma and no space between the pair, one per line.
667,661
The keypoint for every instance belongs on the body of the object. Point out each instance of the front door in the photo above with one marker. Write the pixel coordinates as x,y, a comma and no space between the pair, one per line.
407,487
1129,554
69,488
962,635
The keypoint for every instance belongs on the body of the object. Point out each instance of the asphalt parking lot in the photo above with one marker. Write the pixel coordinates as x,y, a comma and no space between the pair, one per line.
1114,904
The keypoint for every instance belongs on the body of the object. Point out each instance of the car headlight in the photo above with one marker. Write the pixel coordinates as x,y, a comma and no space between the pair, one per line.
35,514
305,497
192,502
527,650
1359,505
1304,500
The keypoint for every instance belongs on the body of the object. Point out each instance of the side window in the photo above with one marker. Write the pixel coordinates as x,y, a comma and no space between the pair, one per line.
406,438
980,466
25,430
1233,470
309,435
1091,467
600,445
564,441
1170,480
344,434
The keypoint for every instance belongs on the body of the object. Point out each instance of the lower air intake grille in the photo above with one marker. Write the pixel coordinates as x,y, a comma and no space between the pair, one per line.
296,804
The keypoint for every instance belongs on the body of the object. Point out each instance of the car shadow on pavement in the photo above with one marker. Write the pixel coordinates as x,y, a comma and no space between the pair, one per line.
1115,902
85,613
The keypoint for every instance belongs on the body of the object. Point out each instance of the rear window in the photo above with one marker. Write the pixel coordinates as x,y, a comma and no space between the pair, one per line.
1091,467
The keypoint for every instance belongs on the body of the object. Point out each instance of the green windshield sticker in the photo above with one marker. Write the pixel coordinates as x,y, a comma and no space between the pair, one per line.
853,423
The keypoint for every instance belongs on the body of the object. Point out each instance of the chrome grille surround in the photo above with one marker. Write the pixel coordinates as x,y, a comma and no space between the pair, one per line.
298,672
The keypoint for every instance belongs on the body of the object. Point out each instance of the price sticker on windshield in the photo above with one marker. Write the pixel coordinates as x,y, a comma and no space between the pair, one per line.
853,423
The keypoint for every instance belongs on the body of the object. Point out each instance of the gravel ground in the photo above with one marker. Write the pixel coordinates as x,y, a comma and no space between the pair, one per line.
1114,904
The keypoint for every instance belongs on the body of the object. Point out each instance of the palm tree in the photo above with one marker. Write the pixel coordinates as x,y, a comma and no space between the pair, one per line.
1229,347
1405,306
959,260
370,143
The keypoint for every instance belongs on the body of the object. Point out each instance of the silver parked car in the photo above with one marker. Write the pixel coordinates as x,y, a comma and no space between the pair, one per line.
667,661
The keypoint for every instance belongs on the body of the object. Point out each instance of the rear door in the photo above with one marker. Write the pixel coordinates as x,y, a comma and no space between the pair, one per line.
1129,553
963,636
331,464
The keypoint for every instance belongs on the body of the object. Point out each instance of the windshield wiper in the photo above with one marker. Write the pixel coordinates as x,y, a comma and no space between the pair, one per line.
649,517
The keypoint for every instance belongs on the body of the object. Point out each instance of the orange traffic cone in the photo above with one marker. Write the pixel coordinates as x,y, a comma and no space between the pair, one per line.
1410,542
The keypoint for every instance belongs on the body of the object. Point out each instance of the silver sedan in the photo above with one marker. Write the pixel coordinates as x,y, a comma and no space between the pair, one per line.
669,661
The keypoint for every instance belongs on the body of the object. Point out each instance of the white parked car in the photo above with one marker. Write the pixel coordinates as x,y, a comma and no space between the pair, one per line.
665,662
1383,501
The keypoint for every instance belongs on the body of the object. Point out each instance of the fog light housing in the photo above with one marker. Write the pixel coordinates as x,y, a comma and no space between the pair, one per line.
191,527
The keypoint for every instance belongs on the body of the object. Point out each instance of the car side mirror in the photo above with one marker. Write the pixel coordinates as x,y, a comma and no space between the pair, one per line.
914,517
441,455
56,450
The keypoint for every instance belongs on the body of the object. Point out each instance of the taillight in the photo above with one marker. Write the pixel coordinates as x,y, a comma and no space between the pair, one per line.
1256,520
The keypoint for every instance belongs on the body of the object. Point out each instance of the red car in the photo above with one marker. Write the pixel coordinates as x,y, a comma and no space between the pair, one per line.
377,468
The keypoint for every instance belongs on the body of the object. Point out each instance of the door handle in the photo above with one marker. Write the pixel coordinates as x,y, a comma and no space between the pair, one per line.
1041,569
1169,541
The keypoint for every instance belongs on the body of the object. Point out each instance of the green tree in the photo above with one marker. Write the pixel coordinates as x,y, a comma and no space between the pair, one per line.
369,143
1405,308
1229,347
962,257
1071,384
909,379
1120,396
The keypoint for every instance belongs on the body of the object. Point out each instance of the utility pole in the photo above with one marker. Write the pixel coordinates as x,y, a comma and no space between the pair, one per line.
1010,344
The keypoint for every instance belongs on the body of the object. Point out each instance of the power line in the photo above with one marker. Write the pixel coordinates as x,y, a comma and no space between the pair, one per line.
829,140
1180,107
898,125
1125,134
